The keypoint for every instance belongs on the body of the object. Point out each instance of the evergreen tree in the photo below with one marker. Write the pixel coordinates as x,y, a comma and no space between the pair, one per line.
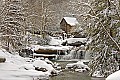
103,30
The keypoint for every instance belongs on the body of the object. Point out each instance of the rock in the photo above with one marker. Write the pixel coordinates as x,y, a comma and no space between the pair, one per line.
53,73
41,69
2,59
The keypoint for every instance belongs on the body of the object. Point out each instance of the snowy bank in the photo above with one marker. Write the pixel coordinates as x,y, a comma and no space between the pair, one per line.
114,76
10,71
11,68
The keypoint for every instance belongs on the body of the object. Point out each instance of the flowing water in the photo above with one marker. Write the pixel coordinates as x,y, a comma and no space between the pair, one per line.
71,75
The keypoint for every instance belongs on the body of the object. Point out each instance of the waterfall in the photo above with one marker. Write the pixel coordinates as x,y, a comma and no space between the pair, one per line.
81,54
88,55
75,53
72,53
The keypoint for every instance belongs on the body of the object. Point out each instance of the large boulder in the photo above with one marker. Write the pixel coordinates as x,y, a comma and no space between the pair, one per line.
2,59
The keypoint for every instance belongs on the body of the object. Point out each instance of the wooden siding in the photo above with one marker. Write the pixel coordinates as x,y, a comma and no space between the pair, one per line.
66,27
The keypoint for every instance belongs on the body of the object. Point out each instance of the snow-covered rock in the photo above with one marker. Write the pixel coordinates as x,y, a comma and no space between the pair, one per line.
73,40
27,67
80,70
78,66
40,65
57,66
97,74
114,76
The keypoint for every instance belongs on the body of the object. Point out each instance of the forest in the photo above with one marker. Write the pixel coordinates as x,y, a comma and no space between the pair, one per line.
76,30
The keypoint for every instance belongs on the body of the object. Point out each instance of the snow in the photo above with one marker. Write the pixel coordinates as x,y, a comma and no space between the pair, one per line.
27,67
97,74
43,55
105,12
114,76
9,71
16,68
80,66
80,70
83,3
71,20
48,61
55,44
43,64
55,41
73,40
16,59
36,47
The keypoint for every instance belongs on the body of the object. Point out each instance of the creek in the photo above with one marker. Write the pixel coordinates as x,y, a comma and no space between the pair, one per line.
67,74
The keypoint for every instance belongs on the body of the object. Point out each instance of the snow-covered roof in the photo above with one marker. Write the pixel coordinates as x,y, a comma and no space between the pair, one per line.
71,20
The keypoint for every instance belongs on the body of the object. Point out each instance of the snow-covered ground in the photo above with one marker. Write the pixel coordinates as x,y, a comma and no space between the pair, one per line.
16,68
10,71
114,76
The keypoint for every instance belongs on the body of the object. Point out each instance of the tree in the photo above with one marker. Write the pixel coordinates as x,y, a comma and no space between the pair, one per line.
103,30
12,25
